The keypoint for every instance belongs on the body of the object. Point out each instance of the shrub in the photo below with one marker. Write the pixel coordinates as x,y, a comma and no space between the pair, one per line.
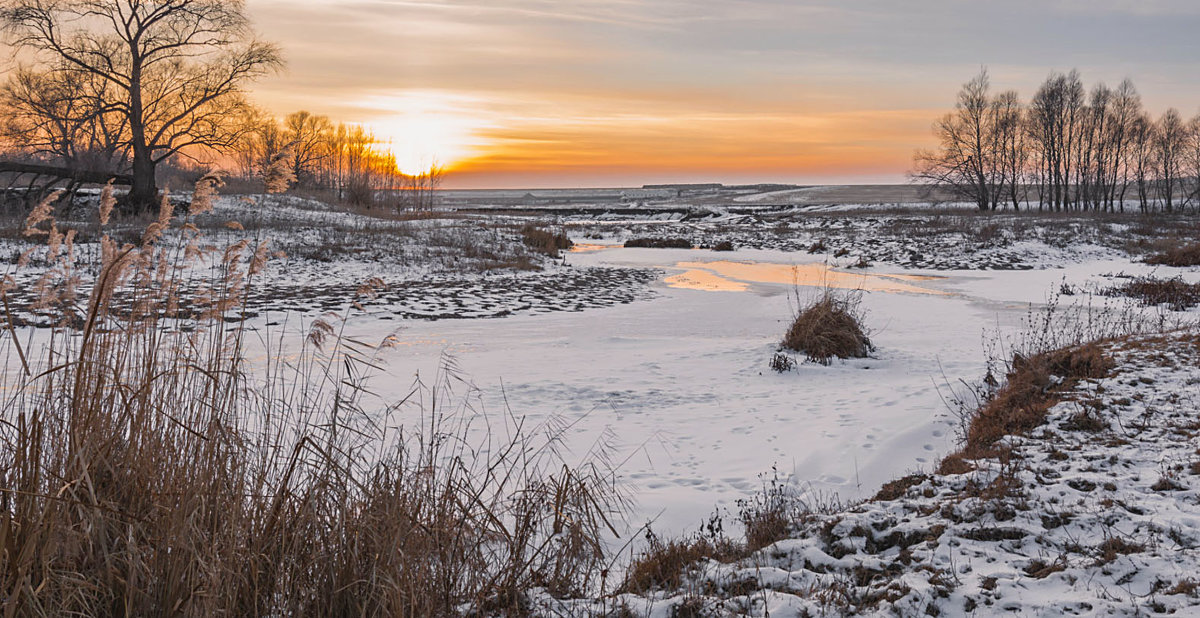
1181,255
545,241
658,243
1176,293
724,245
1034,385
829,327
782,362
663,564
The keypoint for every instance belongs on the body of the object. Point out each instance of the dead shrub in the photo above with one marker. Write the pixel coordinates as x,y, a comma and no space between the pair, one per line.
1034,385
544,241
724,245
663,564
1114,547
658,243
829,327
896,489
1175,293
1179,256
769,515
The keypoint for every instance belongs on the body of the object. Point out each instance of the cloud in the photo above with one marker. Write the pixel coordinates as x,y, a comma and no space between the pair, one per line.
629,77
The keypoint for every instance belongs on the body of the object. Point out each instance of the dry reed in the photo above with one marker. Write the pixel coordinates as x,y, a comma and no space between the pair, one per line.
146,468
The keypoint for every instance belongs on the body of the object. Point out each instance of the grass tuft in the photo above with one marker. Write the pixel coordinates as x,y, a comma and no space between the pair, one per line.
1179,256
544,241
829,327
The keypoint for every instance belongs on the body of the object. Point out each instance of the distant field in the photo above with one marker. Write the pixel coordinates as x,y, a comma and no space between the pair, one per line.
822,195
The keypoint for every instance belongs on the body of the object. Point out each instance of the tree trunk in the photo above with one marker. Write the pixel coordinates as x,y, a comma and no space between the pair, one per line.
143,193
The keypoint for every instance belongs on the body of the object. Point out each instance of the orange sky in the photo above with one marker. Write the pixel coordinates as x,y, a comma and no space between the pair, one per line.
546,93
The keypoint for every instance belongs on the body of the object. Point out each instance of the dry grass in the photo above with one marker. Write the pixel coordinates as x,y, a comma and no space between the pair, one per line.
664,564
1175,293
658,243
1034,385
145,469
829,327
769,516
544,241
1179,255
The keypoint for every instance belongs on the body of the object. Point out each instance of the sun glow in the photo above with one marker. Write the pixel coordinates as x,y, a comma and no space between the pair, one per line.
423,129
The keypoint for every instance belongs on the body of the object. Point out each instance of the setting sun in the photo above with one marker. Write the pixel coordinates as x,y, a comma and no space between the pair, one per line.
424,129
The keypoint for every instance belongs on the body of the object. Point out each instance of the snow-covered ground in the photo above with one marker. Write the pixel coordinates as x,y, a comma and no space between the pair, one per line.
679,383
663,355
1095,519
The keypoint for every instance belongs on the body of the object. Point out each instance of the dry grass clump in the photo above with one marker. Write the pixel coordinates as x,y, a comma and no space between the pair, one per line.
545,241
769,516
1175,293
663,565
829,327
1034,385
658,243
145,469
1179,255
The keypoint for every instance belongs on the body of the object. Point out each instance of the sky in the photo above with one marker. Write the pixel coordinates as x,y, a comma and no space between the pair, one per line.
613,93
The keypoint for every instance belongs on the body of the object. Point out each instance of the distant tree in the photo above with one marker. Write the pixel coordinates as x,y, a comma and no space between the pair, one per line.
61,117
1192,161
1054,130
1141,157
966,161
1169,142
1010,150
1124,111
173,69
311,139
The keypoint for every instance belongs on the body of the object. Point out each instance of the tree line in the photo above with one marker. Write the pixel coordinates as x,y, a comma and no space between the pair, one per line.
127,87
1066,149
341,160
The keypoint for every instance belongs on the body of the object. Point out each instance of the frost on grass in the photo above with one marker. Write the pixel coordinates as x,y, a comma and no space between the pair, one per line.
1091,510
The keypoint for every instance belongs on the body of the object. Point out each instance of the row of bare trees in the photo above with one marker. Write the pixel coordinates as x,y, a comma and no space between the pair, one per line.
1067,148
346,161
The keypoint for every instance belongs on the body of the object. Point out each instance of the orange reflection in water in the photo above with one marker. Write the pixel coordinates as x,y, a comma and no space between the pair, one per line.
705,281
725,276
589,248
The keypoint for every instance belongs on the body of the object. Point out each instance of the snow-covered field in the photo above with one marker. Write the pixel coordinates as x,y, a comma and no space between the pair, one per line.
659,358
680,384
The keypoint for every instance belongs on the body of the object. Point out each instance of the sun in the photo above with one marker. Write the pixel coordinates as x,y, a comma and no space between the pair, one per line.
423,129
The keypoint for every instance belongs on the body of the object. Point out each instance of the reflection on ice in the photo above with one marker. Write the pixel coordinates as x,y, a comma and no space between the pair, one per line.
728,276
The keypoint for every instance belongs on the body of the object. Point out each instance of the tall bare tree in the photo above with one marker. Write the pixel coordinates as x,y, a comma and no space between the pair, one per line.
1169,143
311,138
176,68
965,161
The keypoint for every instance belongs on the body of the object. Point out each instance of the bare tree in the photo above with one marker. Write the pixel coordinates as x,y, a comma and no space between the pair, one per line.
1141,156
965,162
311,137
1126,108
1169,142
1192,161
176,68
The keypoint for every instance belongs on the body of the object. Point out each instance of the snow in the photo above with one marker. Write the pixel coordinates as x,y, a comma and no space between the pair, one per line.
664,355
681,379
1102,523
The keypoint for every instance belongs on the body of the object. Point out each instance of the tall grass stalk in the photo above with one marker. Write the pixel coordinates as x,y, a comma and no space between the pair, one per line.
146,468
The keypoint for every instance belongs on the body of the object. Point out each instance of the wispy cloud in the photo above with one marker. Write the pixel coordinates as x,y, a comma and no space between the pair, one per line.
777,84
